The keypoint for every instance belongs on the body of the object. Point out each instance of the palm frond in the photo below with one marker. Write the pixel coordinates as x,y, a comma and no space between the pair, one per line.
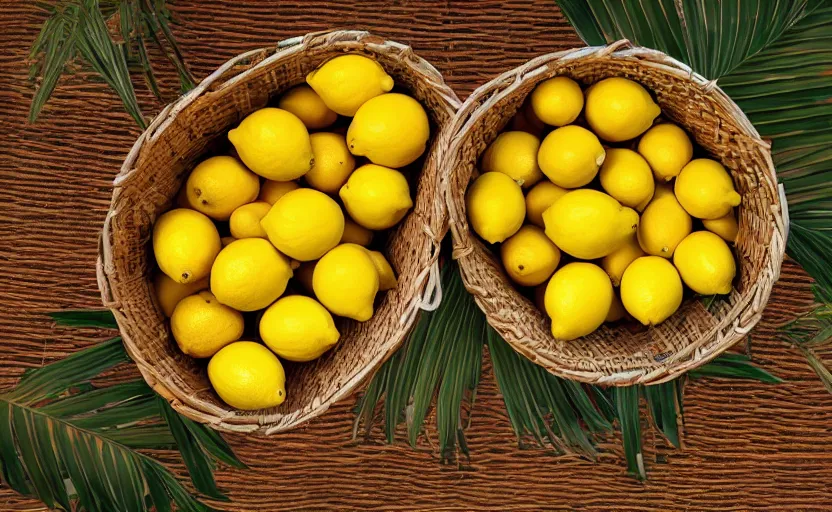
439,364
85,318
772,58
811,331
66,441
78,29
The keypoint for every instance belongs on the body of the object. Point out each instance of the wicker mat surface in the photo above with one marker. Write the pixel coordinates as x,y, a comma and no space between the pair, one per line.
748,446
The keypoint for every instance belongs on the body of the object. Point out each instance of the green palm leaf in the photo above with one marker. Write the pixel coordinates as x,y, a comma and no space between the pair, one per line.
64,440
770,56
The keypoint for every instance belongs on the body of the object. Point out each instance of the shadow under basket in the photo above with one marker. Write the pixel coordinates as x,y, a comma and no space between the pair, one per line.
155,170
615,354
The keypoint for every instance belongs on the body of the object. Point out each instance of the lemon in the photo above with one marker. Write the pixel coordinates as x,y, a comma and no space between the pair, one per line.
348,81
706,263
220,185
245,221
496,207
617,261
249,274
664,223
390,130
298,328
618,109
525,120
185,243
386,275
626,176
529,257
588,224
376,197
304,275
725,226
271,191
273,143
226,240
169,292
667,148
651,290
308,106
304,224
617,311
201,325
355,234
578,298
248,376
558,101
539,198
515,155
333,162
570,156
705,190
346,281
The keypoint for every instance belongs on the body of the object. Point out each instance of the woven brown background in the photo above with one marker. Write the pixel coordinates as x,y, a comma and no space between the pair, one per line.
747,445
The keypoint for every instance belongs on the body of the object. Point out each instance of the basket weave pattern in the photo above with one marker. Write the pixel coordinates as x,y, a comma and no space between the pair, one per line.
159,163
616,355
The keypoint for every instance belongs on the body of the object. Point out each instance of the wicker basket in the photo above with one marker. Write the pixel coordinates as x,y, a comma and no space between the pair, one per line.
617,355
156,168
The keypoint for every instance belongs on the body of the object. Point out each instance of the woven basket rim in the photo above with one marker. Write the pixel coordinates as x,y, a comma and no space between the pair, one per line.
487,95
426,291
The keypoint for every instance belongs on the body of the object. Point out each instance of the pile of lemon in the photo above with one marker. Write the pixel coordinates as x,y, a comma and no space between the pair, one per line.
295,205
623,211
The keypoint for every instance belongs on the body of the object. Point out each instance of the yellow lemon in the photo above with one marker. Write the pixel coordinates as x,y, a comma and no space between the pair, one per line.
558,101
304,224
308,106
304,275
664,223
390,130
529,257
248,376
298,328
515,155
355,234
651,290
667,148
333,162
626,176
386,275
185,243
226,240
245,221
169,292
273,143
496,207
220,185
525,120
588,224
541,197
271,191
617,261
705,190
618,109
578,298
706,263
570,156
346,82
249,274
725,226
376,197
201,325
617,311
346,281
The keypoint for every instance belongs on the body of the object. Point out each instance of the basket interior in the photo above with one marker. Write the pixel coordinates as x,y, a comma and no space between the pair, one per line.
622,353
150,188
